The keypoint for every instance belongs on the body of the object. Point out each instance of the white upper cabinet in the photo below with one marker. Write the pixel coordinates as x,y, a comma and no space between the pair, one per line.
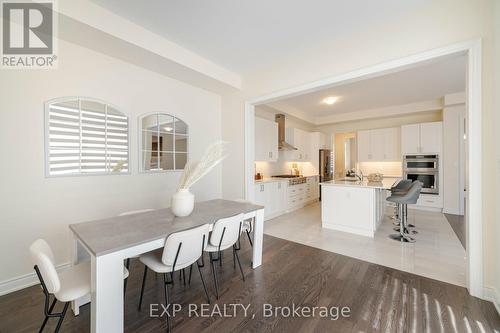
425,138
410,139
317,142
431,137
378,145
364,146
266,140
300,139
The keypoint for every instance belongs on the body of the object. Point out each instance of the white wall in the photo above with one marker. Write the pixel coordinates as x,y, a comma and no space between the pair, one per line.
32,206
436,24
453,159
496,282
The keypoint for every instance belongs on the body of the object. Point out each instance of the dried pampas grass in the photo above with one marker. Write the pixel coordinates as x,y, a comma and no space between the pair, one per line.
194,171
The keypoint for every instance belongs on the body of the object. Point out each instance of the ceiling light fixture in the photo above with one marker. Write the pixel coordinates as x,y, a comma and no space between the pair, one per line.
168,129
330,100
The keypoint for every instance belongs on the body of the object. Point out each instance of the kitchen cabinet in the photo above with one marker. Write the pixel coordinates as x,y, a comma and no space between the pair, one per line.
317,142
299,139
266,140
424,138
378,145
278,197
271,195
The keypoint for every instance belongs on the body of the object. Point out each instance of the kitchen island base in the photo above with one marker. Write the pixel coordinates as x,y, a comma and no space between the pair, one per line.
354,209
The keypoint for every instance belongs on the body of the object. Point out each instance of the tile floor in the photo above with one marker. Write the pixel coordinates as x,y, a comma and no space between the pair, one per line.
436,254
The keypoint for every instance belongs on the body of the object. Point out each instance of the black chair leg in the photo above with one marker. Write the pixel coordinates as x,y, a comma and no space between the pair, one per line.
184,277
63,314
249,238
203,282
190,273
143,284
235,253
46,316
212,264
167,302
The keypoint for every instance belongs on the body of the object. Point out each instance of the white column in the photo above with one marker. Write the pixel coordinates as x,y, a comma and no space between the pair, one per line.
258,238
107,294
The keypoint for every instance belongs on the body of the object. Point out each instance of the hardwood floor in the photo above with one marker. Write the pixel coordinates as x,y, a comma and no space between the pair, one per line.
380,299
457,223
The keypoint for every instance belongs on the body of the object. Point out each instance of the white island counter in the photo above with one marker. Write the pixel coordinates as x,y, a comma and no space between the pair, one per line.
354,206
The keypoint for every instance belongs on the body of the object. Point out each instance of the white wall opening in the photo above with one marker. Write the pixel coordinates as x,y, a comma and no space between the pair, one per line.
473,52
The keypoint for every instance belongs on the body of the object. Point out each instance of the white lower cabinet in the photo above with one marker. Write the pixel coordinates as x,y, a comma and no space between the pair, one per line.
280,197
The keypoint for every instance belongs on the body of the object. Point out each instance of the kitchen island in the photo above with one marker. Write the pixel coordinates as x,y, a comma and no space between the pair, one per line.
354,206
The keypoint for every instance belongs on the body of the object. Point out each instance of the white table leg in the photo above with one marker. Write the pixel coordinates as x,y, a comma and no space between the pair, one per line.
75,306
258,237
107,294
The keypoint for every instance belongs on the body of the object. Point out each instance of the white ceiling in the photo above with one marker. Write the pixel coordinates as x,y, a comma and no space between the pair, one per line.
423,83
244,36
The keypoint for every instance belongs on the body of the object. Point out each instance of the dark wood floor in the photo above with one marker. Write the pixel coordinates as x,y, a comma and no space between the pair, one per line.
381,299
457,223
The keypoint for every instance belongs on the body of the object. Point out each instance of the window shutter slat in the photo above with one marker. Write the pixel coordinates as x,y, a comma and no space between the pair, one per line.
86,137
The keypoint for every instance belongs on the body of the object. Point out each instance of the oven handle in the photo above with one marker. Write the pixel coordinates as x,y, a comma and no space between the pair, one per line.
421,170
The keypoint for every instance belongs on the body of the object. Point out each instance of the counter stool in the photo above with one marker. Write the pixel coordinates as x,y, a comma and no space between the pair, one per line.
399,189
409,197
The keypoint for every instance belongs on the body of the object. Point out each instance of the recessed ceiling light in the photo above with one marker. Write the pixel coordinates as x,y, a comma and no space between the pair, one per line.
330,100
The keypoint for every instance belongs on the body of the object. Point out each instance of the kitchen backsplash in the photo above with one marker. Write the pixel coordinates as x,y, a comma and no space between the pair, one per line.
268,169
394,169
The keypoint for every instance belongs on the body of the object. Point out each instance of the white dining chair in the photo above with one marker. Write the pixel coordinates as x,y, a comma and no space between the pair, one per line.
127,262
182,249
65,287
225,234
247,225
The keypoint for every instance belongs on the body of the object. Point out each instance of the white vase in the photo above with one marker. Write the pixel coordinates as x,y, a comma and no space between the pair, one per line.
182,203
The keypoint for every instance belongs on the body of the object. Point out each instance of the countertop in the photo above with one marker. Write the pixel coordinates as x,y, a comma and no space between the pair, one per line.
275,180
385,184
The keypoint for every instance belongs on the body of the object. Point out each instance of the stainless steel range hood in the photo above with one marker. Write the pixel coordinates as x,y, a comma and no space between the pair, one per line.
282,144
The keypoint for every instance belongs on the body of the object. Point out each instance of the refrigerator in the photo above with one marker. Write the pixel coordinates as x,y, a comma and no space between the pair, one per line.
325,167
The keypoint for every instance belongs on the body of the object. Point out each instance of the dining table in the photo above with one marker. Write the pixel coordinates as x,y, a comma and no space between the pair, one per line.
108,242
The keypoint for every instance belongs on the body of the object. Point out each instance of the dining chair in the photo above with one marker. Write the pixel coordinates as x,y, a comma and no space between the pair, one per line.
132,212
65,287
182,249
225,234
247,225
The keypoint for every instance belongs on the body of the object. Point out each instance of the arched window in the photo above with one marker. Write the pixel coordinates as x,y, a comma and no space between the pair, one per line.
163,142
85,136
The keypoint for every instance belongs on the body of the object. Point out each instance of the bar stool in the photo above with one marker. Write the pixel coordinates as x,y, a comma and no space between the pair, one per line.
409,197
399,189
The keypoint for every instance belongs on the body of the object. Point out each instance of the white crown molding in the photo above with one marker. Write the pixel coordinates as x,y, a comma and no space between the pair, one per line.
432,105
454,99
109,23
25,281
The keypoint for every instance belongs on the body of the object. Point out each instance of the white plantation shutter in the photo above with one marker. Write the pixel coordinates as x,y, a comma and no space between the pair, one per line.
86,136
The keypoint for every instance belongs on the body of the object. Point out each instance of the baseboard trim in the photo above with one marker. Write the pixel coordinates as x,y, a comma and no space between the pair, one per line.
24,281
492,295
451,211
